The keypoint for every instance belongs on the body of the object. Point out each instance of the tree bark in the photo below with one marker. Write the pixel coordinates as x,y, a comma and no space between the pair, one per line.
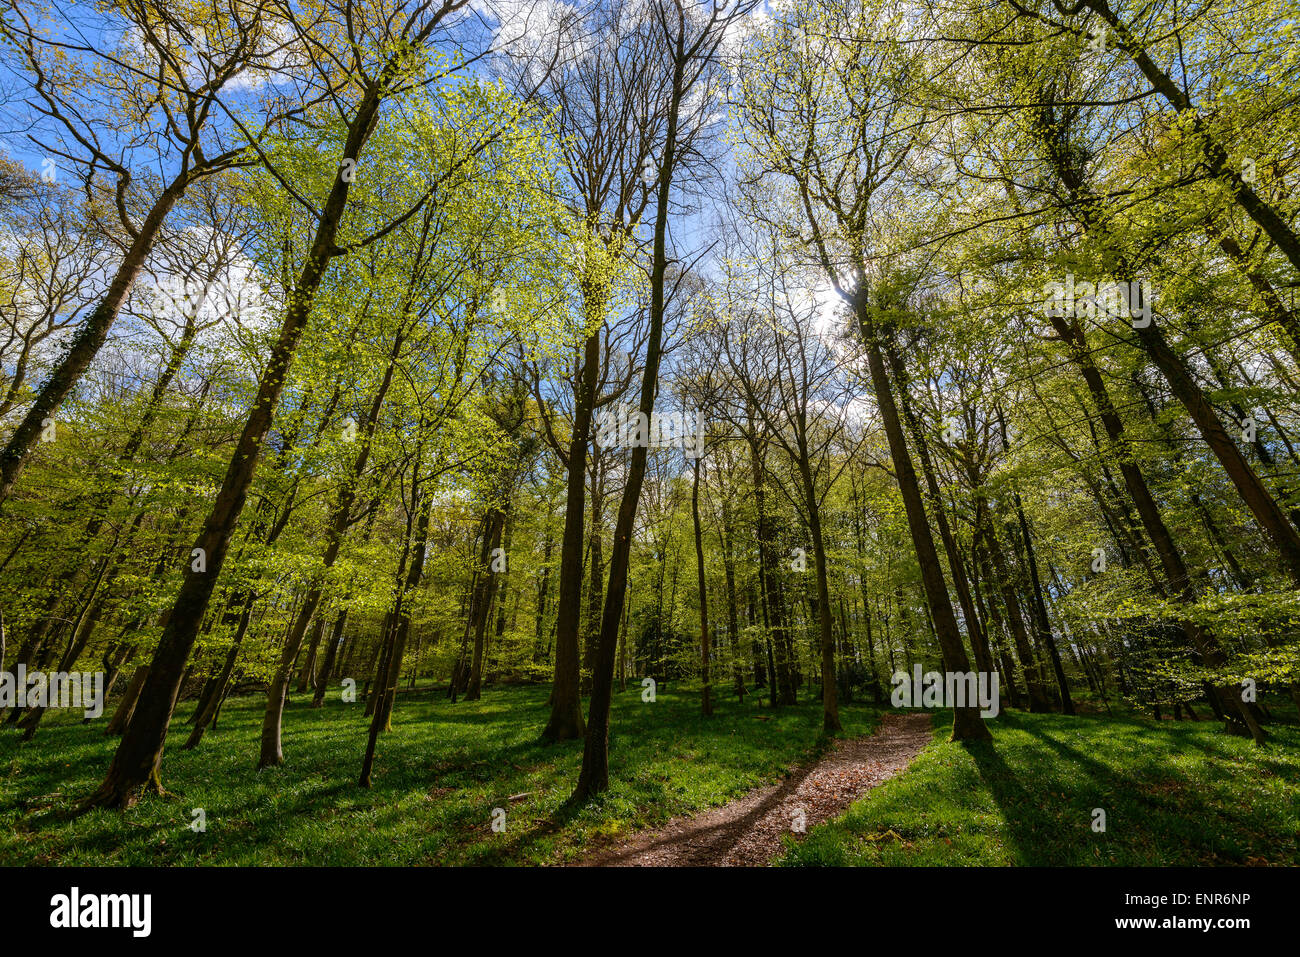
138,758
706,703
86,344
967,723
565,721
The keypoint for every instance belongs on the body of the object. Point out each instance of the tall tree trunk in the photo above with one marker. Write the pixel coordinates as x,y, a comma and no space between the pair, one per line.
979,641
706,703
137,761
484,593
825,613
593,778
733,617
331,655
543,592
966,723
774,610
565,720
1000,574
206,709
417,540
595,577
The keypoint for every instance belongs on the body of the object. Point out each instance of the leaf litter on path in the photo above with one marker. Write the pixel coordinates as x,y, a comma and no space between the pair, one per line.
747,832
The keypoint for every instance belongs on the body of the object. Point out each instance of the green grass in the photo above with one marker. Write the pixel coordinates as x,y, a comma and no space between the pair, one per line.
438,776
1174,793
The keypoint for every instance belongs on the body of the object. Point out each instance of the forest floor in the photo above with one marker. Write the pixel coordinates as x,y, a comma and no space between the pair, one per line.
1174,792
750,830
439,776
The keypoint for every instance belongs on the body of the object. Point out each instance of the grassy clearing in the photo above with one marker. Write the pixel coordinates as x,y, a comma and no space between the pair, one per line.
1174,793
438,776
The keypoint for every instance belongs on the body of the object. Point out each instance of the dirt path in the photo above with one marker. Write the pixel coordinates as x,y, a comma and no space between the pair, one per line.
747,832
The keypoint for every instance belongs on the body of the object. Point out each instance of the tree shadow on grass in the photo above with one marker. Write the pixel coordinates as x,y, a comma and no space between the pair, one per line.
1160,807
1019,809
1050,823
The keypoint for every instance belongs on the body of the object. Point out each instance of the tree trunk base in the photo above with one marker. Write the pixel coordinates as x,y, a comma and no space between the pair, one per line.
119,796
567,729
589,786
967,725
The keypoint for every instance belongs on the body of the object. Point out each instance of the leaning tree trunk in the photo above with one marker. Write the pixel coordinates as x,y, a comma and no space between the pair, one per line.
340,520
966,722
327,666
1216,158
90,337
138,758
126,707
307,673
978,640
206,709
